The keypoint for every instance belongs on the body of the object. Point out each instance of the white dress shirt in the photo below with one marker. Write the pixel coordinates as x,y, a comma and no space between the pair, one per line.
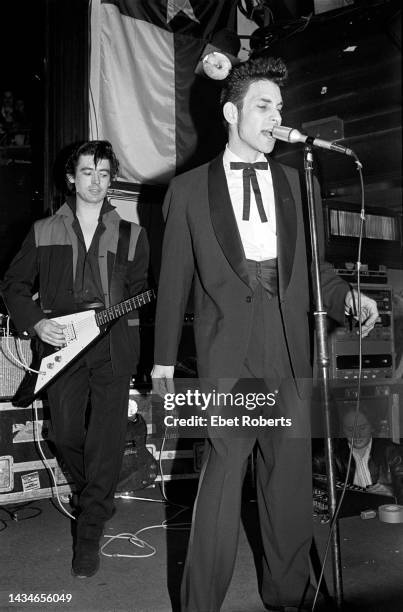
259,239
362,476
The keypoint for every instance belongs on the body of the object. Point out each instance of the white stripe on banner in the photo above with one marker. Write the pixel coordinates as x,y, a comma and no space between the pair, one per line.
136,96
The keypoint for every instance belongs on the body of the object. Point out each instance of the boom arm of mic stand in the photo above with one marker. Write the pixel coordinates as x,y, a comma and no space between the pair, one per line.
323,369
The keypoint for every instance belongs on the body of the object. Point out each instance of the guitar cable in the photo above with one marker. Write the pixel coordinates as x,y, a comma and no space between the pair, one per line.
165,524
21,362
55,486
357,313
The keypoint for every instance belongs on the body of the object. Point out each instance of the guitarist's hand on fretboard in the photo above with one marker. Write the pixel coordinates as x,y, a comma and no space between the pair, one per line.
50,332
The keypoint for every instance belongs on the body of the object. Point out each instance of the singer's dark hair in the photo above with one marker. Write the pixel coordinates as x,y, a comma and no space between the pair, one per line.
241,76
100,149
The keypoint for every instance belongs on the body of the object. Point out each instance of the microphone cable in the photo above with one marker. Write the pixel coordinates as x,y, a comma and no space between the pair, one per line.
356,312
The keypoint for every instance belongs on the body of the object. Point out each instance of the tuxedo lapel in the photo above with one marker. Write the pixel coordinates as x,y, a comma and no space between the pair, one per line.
223,219
286,223
226,228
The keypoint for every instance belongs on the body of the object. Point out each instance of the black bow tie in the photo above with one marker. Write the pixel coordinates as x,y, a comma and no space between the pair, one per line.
249,177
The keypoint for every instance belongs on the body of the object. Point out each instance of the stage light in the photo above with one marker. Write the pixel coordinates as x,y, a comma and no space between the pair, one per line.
219,55
216,65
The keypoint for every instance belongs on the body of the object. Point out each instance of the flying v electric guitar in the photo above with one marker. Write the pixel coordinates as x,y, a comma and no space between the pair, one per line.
81,328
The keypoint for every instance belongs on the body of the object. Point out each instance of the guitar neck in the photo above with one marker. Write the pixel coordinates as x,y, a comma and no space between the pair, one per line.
119,310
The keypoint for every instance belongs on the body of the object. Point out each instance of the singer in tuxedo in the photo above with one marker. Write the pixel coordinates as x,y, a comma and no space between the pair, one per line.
235,227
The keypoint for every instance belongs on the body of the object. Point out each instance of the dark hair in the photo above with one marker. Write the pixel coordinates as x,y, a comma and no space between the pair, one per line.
364,411
100,149
241,76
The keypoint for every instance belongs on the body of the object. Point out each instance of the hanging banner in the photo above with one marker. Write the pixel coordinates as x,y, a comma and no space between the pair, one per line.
143,56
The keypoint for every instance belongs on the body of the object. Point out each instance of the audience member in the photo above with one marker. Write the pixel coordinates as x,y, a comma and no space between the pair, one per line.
376,463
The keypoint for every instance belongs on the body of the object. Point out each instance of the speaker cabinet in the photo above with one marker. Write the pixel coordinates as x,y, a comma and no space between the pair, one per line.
13,349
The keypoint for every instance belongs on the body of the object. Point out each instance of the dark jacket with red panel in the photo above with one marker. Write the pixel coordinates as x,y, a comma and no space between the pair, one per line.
47,263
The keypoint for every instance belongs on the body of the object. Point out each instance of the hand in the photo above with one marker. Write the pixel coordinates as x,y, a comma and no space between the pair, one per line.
379,489
50,332
163,379
369,310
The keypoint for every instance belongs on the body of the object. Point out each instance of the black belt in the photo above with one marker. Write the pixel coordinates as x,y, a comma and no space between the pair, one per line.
78,308
89,306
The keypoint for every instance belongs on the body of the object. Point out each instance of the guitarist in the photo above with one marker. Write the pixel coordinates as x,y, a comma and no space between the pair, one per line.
85,257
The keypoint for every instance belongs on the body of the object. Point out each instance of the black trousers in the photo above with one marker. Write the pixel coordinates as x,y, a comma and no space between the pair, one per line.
90,435
283,476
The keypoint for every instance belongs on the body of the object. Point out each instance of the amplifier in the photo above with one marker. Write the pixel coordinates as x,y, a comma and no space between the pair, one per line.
366,276
378,354
11,373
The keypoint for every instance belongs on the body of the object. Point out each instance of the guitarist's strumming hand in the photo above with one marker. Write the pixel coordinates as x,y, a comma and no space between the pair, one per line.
163,379
50,332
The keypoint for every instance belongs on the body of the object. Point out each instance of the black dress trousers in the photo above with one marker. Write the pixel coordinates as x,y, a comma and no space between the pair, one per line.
283,474
88,406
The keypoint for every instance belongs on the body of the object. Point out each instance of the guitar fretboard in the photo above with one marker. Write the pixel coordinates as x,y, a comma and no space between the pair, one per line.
118,310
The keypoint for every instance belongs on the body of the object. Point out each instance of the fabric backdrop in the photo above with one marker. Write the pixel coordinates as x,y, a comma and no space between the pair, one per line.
144,95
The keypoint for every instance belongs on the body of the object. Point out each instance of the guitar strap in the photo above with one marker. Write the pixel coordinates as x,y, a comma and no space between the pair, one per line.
120,265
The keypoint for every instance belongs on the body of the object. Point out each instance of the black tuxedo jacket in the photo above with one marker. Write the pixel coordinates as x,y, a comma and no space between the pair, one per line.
202,242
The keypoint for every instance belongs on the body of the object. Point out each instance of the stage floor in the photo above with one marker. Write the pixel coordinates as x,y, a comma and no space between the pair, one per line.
36,558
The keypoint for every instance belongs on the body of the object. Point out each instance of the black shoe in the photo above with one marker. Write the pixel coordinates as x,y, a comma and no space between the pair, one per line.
86,559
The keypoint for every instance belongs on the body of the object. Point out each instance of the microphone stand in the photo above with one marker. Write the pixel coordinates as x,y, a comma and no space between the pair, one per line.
323,369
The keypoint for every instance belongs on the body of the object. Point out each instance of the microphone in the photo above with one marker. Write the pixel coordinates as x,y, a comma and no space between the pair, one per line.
280,132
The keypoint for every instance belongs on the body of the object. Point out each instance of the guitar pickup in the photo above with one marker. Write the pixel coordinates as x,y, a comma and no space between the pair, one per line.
70,333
